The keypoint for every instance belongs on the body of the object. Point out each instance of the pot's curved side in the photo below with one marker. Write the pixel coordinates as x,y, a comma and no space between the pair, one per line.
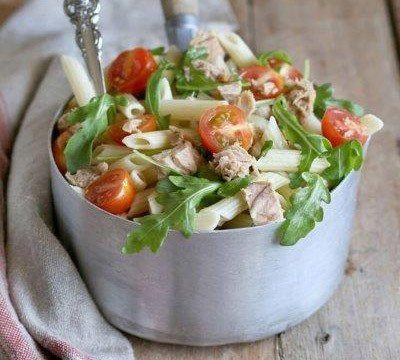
214,288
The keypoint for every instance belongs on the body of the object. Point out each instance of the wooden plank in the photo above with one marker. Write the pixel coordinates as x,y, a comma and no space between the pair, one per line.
350,43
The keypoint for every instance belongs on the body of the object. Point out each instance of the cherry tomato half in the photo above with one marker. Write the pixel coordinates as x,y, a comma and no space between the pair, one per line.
340,126
113,191
58,147
116,133
223,126
131,70
270,83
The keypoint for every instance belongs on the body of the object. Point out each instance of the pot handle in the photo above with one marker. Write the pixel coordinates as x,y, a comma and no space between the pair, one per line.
181,21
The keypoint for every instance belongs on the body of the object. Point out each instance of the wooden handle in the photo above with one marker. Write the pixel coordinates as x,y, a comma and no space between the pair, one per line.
176,7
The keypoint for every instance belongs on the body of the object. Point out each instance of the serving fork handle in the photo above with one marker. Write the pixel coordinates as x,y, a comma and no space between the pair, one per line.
84,15
181,21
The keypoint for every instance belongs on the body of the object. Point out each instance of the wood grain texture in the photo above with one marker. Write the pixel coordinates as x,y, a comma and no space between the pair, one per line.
351,44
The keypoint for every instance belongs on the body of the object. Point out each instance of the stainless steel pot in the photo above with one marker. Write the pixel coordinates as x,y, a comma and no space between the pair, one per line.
217,287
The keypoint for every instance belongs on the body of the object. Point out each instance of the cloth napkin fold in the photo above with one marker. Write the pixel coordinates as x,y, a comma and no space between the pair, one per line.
45,308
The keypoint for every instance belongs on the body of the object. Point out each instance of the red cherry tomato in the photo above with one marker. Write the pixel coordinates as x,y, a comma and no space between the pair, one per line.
58,147
223,126
131,70
116,133
266,84
340,126
113,191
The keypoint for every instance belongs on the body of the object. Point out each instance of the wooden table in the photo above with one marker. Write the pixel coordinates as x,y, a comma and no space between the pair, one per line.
355,45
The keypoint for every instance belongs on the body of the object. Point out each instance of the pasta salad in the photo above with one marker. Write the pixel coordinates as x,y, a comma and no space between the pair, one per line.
211,138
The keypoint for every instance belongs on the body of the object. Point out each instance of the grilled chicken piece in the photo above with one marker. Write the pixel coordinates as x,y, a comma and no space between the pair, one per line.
263,203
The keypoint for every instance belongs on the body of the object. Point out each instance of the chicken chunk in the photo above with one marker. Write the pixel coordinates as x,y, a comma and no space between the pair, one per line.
84,177
214,65
230,92
183,158
263,203
246,102
301,99
233,162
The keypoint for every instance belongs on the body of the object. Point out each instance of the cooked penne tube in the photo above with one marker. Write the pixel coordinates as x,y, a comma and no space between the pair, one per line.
224,210
165,90
372,123
133,108
237,49
276,180
187,110
138,180
148,140
109,153
154,206
130,163
312,124
78,79
140,203
288,160
275,134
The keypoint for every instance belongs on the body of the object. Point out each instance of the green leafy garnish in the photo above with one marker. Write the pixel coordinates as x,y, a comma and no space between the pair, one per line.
312,145
94,117
180,200
343,160
306,209
325,99
274,54
158,51
207,172
194,79
153,95
230,188
266,147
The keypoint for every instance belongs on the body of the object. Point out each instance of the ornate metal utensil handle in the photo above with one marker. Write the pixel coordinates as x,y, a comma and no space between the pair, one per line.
84,15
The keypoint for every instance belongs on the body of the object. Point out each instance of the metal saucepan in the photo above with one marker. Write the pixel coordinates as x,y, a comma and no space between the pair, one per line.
217,287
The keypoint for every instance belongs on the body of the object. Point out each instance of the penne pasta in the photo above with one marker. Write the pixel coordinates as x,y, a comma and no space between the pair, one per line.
148,140
237,49
187,110
133,108
138,179
165,90
312,124
276,180
372,123
154,206
109,153
78,79
288,160
243,220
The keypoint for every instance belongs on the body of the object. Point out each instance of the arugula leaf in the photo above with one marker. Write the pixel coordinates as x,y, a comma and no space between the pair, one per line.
206,172
306,209
230,188
312,145
274,54
266,147
325,99
94,117
158,51
195,80
343,160
153,95
179,199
